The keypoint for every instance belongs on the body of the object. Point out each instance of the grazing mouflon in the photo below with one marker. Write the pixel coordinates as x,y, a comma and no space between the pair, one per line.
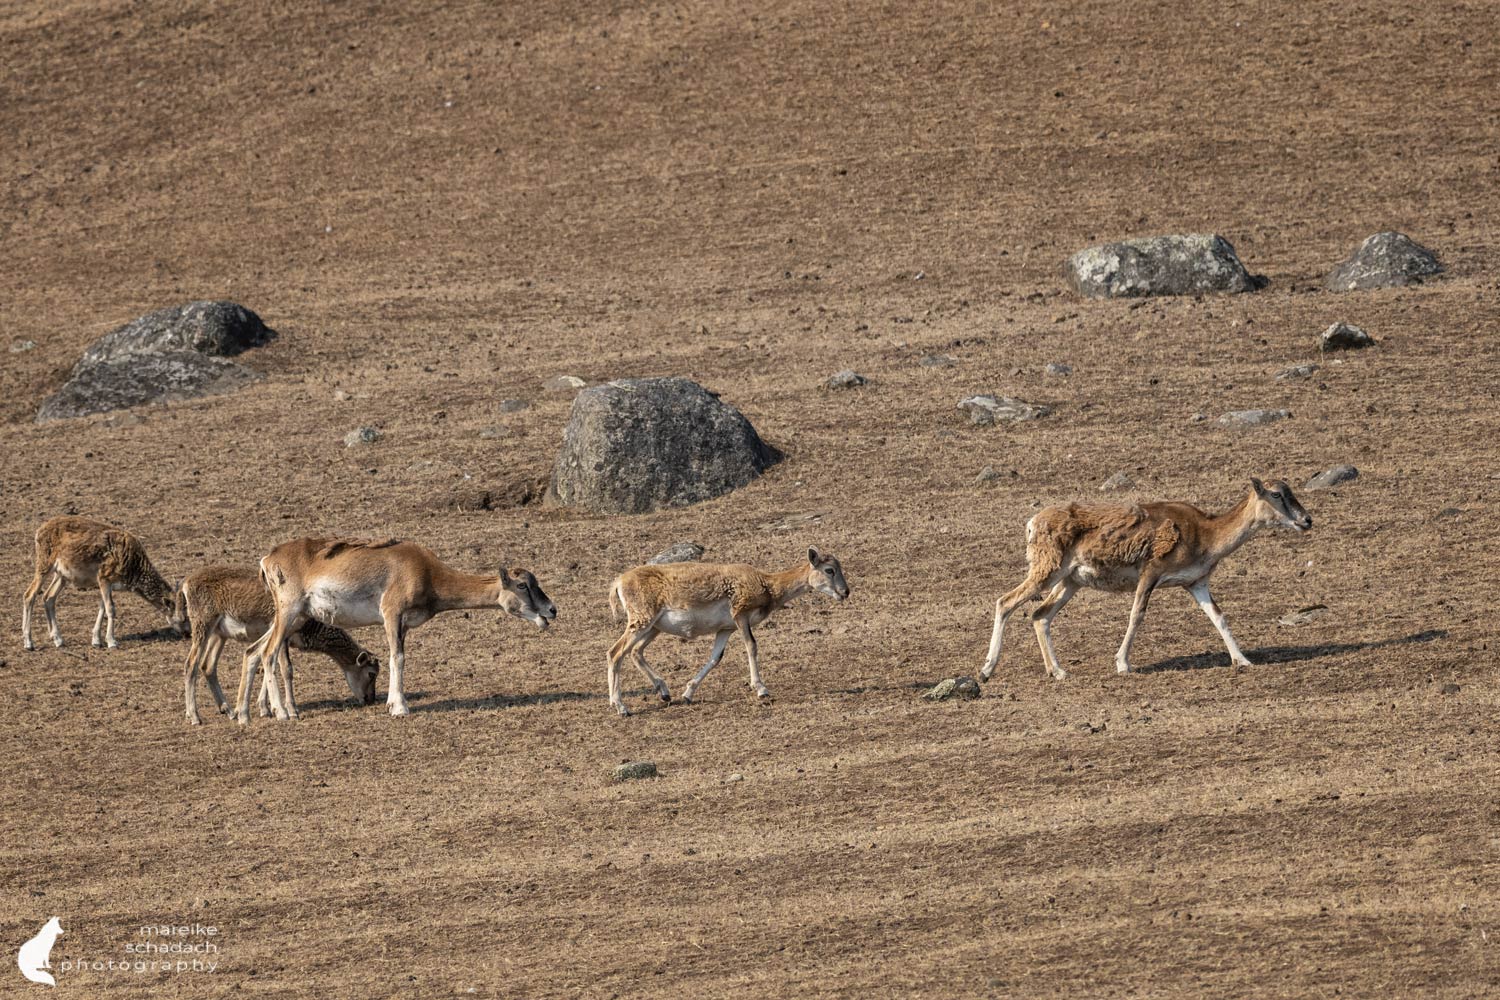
89,553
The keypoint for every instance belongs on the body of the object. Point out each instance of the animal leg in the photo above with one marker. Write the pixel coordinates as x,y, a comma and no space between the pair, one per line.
210,672
395,637
28,601
1205,601
721,641
98,638
190,680
752,654
49,606
1041,620
1143,588
1030,589
253,657
633,634
638,653
107,600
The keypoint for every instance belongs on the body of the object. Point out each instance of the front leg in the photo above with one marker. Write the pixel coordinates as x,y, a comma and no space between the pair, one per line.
721,640
1143,590
1205,601
107,596
97,640
395,638
752,654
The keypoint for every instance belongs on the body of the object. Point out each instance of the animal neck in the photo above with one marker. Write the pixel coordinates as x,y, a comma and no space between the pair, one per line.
787,585
1233,528
155,590
455,591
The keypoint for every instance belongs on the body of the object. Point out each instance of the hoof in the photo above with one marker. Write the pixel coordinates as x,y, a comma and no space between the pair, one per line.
29,646
57,641
400,710
763,693
1059,674
622,710
1122,668
986,674
112,645
193,720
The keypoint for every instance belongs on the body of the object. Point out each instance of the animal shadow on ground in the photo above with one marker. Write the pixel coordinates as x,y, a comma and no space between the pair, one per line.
163,634
1268,655
496,701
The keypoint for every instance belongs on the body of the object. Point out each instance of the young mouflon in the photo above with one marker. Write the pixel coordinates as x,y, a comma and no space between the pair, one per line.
689,600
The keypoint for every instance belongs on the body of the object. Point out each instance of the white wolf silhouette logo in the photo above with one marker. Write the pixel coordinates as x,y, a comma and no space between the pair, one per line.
36,954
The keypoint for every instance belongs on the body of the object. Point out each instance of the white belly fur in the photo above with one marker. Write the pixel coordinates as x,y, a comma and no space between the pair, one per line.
344,608
231,627
690,623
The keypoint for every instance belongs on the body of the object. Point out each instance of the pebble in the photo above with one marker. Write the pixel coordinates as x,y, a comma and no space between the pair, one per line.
846,379
635,770
363,435
1330,478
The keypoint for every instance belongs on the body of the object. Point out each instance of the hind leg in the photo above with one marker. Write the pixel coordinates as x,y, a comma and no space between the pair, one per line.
49,606
28,601
1041,620
211,674
190,678
638,653
1030,589
633,634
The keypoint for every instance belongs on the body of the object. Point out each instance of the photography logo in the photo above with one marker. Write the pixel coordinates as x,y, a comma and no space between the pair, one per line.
36,955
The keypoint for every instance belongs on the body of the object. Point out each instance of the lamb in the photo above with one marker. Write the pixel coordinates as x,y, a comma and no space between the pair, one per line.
689,600
231,602
1125,547
89,553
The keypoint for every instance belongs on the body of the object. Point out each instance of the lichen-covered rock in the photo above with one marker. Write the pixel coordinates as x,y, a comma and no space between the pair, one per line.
1329,478
1118,482
966,688
635,770
1345,337
143,378
1253,418
637,445
1160,265
846,379
220,329
993,409
1385,260
681,552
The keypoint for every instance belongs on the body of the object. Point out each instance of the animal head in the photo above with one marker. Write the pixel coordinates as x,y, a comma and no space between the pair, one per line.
1277,506
825,575
367,668
522,596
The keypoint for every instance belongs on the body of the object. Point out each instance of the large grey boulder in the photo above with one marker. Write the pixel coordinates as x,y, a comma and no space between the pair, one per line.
1190,264
221,329
165,356
144,378
637,445
1385,260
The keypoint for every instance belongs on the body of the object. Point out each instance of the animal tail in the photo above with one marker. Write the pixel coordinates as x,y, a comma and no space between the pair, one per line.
616,602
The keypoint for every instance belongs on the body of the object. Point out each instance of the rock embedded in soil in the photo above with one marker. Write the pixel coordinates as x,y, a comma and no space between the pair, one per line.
218,329
1303,615
681,552
361,435
564,383
638,445
963,688
1296,372
1119,481
1330,478
142,379
513,405
1191,264
169,355
1253,418
937,361
1449,688
987,410
1057,370
989,475
1385,260
1345,337
635,770
846,379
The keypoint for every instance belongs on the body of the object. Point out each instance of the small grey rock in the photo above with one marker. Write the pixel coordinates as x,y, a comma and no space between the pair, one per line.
1197,418
989,475
1189,264
1330,478
734,778
362,435
1385,260
1058,370
990,409
1296,372
1303,615
1119,481
846,379
635,770
937,361
1253,418
564,383
22,346
966,688
1345,337
681,552
513,405
1449,688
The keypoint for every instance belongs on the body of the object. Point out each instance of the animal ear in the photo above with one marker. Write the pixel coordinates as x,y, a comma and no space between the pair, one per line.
1257,486
504,576
812,556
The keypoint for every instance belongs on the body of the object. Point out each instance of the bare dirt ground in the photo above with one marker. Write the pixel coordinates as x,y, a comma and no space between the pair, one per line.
441,211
